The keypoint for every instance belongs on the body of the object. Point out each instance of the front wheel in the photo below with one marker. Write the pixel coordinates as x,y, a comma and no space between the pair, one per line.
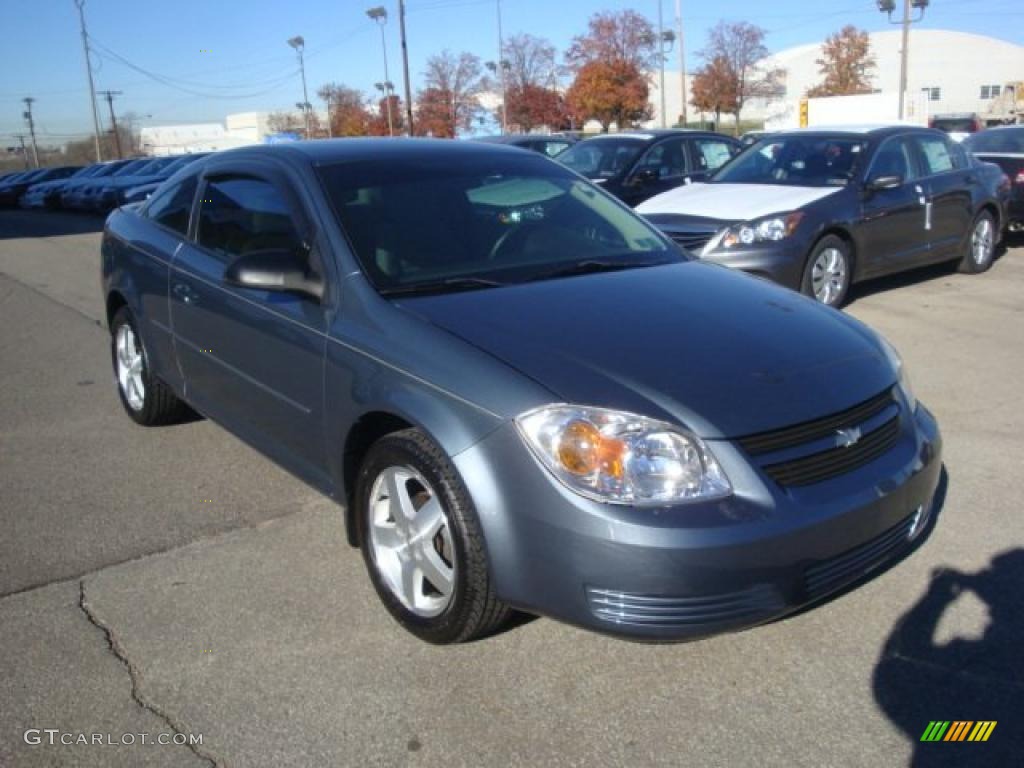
981,245
422,541
147,400
828,272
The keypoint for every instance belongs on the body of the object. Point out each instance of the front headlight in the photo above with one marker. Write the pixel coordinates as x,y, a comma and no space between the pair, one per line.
622,458
764,230
902,377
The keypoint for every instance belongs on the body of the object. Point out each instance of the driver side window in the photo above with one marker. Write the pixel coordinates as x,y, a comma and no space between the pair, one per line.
893,158
240,215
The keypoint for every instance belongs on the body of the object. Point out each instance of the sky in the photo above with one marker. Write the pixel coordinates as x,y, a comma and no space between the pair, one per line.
203,59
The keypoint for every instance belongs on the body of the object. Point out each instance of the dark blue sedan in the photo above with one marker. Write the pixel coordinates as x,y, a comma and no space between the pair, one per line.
524,396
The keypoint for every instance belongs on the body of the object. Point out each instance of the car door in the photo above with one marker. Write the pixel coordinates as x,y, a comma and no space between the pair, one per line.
892,232
252,359
708,154
661,167
947,183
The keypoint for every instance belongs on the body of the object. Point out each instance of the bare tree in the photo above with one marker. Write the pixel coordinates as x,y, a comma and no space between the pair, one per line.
454,82
532,61
739,46
613,37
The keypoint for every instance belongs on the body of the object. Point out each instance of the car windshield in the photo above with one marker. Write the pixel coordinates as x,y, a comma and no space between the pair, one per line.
601,158
434,225
1008,140
803,161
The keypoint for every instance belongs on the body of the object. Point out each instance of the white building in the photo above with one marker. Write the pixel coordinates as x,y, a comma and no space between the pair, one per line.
238,130
957,72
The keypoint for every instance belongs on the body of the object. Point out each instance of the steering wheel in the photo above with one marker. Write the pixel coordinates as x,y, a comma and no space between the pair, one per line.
510,237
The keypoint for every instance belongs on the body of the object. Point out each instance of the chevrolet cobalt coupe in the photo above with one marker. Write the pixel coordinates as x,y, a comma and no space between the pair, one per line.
523,394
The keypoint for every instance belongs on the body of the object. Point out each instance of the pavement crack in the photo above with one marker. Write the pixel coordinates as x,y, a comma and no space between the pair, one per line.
117,649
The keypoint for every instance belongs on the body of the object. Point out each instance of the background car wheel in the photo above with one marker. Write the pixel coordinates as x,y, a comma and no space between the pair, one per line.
828,271
147,400
422,542
981,245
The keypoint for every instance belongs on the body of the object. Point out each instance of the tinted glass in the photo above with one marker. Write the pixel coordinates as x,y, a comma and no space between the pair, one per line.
937,155
601,158
242,215
893,158
171,208
1009,140
712,154
807,161
507,219
667,159
552,148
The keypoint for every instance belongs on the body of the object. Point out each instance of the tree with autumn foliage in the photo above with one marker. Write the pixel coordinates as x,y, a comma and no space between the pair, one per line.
846,64
448,101
532,106
611,62
532,98
713,89
741,49
609,92
349,114
379,119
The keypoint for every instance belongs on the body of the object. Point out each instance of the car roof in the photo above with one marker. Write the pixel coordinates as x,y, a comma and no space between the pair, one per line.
864,129
524,138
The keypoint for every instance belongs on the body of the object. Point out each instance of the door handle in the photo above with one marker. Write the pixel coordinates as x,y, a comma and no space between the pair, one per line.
184,293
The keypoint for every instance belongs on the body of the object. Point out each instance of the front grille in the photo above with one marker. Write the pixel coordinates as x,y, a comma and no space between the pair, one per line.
822,465
693,240
830,575
725,609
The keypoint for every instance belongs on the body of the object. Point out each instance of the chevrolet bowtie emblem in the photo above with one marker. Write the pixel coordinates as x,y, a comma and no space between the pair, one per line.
847,437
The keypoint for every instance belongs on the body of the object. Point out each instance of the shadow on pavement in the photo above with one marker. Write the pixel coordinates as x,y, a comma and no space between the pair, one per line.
16,224
917,680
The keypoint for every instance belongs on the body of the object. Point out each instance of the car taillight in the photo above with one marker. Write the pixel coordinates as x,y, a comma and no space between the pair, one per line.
1020,178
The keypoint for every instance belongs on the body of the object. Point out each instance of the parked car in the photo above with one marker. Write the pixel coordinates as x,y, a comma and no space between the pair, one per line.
103,196
38,194
959,125
751,137
141,192
12,191
511,406
636,165
80,196
819,209
1004,146
547,144
64,193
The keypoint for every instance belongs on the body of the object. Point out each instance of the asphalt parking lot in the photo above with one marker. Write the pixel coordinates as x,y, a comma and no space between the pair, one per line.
173,581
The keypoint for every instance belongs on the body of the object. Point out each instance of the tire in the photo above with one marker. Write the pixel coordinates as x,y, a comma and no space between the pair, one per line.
980,248
828,271
156,404
437,604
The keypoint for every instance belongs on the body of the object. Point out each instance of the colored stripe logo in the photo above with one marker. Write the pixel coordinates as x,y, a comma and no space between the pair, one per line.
958,730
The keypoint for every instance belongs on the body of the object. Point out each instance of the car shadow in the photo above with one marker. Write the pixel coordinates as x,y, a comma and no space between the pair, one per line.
16,224
918,681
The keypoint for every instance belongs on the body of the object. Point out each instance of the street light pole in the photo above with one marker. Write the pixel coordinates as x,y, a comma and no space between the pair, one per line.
405,66
299,44
682,60
501,72
380,15
661,62
887,7
92,87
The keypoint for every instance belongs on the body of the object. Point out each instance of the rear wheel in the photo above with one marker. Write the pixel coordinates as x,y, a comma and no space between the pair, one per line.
981,245
422,541
828,272
146,399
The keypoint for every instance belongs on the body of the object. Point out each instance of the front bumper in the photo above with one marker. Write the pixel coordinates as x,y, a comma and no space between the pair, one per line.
688,571
781,262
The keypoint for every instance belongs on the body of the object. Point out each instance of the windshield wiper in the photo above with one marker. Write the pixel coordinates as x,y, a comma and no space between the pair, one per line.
593,266
441,286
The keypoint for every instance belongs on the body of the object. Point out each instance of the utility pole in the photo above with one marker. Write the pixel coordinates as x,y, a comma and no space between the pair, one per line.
109,96
92,88
661,63
31,128
682,60
405,65
501,72
887,7
299,44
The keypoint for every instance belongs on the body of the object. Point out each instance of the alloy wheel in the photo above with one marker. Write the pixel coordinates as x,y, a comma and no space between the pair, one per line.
829,275
411,541
982,240
129,368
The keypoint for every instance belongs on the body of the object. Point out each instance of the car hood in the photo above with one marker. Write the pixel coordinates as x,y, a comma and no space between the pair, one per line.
723,353
733,202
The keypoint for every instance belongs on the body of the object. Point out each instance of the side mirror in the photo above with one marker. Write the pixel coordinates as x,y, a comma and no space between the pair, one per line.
274,270
880,183
643,177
